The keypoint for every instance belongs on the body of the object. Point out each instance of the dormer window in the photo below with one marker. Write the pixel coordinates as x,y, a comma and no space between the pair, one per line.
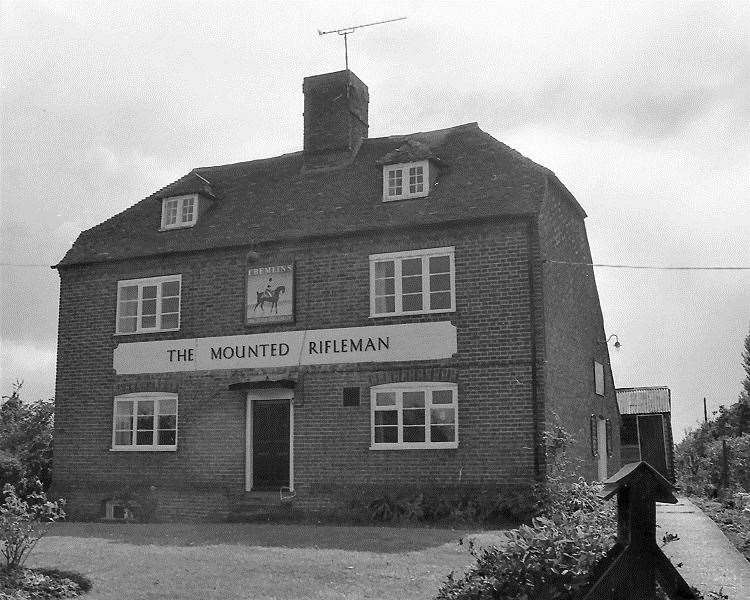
179,211
406,180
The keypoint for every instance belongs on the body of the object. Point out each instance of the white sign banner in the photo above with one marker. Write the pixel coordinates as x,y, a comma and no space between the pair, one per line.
385,343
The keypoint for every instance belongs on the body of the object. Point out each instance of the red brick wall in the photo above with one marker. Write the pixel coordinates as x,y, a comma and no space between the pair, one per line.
493,369
574,330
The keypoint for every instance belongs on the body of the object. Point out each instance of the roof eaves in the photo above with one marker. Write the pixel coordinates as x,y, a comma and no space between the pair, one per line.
103,258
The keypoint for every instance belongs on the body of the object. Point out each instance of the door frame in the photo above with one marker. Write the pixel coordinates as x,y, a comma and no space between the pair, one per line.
602,463
283,395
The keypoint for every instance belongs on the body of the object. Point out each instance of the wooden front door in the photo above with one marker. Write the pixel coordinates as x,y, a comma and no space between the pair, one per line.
270,454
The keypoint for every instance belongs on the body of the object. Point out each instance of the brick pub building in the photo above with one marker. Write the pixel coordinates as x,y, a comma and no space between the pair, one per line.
368,313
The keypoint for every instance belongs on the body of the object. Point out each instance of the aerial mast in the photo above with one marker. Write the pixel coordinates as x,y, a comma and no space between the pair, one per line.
345,31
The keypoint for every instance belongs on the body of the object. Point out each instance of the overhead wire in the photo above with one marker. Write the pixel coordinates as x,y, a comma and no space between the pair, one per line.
546,260
649,267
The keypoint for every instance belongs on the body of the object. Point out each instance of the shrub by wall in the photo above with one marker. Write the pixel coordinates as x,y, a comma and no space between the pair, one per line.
551,558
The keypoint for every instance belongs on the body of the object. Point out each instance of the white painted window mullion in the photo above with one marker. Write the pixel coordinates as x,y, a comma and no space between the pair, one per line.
400,416
134,427
428,416
454,394
155,424
179,305
425,283
452,258
373,311
139,312
158,304
397,287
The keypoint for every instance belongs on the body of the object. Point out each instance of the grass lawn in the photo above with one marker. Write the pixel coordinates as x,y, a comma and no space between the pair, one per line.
205,561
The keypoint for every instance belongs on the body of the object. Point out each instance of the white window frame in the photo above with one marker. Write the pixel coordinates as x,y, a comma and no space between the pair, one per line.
156,397
599,378
405,193
413,386
141,283
179,222
109,510
397,258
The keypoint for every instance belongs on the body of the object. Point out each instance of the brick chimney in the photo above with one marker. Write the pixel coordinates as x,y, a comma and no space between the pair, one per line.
335,119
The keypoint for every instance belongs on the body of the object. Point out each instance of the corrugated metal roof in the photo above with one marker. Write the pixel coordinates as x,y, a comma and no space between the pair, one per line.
642,400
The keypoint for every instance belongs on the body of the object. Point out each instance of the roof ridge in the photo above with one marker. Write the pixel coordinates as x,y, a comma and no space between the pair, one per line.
246,162
472,124
642,387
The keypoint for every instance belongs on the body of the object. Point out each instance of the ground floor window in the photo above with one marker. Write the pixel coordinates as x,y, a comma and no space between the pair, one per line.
145,421
414,415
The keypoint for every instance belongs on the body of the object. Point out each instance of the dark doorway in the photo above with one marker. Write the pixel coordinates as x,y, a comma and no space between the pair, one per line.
270,444
651,429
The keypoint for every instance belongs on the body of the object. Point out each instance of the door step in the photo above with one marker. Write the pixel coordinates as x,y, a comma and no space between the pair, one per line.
258,506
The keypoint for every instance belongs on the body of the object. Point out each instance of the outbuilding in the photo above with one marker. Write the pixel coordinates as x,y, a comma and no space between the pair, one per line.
646,430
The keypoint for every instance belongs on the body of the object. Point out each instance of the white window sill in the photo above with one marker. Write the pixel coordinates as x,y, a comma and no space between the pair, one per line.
406,196
185,226
143,449
416,446
413,312
145,331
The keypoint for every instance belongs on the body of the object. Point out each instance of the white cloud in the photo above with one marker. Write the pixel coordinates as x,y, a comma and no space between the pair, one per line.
33,364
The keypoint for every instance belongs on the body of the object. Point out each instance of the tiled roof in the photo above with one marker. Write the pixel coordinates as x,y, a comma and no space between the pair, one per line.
273,199
643,400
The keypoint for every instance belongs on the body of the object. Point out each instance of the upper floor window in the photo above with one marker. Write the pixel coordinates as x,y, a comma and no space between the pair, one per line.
414,415
145,421
413,282
151,304
179,211
598,378
406,180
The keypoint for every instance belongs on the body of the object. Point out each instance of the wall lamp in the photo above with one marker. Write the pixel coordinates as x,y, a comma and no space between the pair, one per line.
617,343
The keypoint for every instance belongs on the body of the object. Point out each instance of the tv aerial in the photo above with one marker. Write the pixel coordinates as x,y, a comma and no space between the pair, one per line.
345,31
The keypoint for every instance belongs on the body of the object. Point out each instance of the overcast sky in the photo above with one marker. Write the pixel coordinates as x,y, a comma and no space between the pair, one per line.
641,109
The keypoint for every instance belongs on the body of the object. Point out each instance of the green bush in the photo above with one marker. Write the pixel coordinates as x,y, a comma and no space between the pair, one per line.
455,506
23,584
24,518
551,558
698,465
698,457
11,470
26,433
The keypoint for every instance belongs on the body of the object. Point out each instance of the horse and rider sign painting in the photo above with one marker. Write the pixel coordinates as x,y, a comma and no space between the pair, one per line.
270,294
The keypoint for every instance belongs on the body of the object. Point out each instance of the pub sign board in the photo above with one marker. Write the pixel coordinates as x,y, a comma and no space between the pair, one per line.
270,294
375,343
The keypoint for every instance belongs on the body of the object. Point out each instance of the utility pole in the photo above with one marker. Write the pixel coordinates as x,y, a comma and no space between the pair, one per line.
705,411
